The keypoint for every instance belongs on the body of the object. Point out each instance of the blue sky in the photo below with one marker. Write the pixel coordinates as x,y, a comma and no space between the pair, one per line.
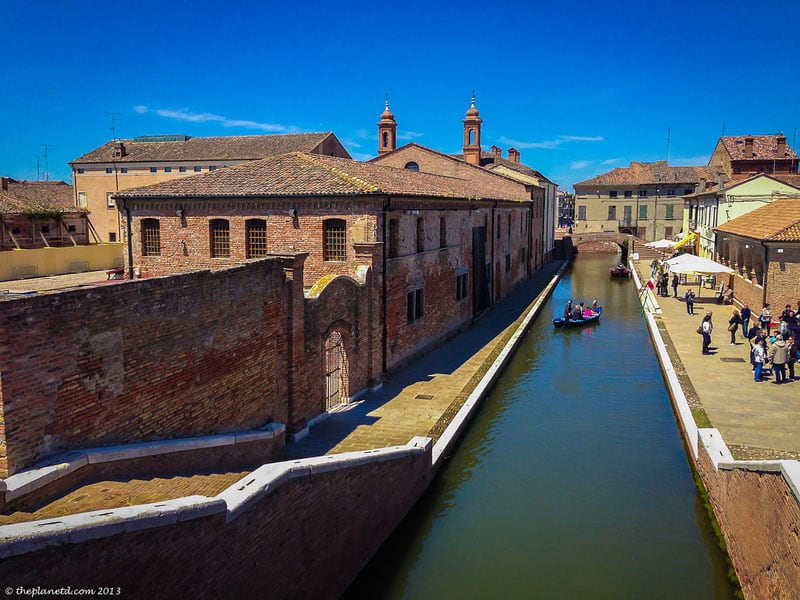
578,87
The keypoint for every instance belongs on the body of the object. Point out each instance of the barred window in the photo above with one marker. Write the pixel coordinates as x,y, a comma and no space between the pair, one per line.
256,234
415,305
151,237
220,237
334,240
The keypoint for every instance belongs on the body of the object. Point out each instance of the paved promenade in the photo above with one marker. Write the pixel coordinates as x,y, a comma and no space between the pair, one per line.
756,420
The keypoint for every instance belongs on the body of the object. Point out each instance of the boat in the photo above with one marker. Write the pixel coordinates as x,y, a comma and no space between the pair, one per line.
620,271
588,320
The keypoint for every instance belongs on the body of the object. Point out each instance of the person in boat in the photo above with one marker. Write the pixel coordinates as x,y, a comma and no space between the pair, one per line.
568,310
577,312
592,310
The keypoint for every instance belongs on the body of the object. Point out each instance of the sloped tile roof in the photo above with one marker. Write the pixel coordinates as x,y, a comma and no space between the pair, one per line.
778,221
764,146
21,196
302,174
792,179
644,173
242,147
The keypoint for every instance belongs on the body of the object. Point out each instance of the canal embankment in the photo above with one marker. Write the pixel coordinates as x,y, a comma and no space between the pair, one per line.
743,438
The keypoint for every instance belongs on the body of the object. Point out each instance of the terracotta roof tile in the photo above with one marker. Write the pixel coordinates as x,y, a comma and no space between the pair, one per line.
20,196
242,147
764,146
778,221
300,174
644,173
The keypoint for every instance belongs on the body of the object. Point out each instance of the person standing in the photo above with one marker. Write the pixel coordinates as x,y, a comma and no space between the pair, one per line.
675,281
745,315
707,327
759,356
765,318
689,297
792,357
778,355
733,325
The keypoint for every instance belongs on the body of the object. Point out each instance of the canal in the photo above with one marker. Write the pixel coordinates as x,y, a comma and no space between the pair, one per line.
572,481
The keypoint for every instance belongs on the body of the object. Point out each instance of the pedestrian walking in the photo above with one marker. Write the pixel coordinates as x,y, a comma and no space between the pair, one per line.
707,327
733,325
759,356
765,318
745,315
689,298
778,355
675,281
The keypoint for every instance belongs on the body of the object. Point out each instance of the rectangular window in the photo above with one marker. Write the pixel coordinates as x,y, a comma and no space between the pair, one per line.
151,237
582,213
668,233
442,232
612,213
220,237
71,228
112,235
688,191
82,199
642,232
167,169
670,211
420,235
198,169
643,211
643,193
124,169
414,305
154,169
334,240
80,171
628,194
394,238
462,286
612,194
110,203
181,169
256,234
109,170
45,228
212,168
670,192
508,263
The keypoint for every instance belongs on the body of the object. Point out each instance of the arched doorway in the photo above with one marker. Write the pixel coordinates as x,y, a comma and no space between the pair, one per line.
336,371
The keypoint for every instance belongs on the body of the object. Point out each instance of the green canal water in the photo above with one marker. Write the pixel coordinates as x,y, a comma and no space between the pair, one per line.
572,482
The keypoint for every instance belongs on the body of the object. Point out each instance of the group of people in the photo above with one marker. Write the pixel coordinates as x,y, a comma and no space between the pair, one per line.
663,283
578,312
776,350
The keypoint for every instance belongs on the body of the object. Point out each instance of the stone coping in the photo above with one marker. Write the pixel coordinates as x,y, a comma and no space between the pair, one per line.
22,538
61,465
711,439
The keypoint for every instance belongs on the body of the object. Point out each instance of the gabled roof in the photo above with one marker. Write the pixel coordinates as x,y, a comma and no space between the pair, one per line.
653,173
792,179
182,147
764,147
302,174
22,196
786,179
778,221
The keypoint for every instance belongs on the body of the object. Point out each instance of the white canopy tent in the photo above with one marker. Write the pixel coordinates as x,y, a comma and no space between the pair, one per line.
689,264
661,244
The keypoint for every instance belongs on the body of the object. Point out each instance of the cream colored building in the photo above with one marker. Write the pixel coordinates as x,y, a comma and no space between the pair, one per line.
124,164
643,199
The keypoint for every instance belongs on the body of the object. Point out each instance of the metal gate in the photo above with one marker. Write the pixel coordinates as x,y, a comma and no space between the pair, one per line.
335,371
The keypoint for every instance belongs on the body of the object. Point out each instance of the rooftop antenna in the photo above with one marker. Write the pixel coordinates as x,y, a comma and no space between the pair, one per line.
38,169
46,162
668,135
113,128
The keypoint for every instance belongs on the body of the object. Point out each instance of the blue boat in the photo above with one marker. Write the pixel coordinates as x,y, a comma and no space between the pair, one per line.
560,322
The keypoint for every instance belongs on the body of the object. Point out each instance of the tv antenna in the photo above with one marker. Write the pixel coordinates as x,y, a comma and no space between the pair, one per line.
668,135
46,162
113,128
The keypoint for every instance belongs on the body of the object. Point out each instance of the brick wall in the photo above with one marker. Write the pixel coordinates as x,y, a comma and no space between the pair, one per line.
307,538
755,511
195,354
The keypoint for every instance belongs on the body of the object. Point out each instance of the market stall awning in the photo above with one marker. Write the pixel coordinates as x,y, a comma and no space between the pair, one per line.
685,240
695,265
661,244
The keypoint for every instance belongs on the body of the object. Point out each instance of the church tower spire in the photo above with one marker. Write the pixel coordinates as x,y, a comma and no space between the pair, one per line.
387,131
472,134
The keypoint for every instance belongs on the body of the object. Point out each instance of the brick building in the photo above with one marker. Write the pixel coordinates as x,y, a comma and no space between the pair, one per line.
122,164
742,156
38,214
763,248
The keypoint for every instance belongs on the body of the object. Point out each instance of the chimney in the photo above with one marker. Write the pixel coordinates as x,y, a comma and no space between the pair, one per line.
781,140
702,186
119,149
496,152
5,183
513,155
748,146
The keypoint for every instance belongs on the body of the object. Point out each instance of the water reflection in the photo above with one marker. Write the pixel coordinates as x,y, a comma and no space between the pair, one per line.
572,481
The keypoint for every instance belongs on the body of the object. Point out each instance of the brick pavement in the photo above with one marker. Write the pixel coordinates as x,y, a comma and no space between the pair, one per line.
756,420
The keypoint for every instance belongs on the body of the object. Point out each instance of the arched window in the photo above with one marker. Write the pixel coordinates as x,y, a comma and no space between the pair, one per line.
471,137
385,139
256,238
411,166
220,238
151,237
334,241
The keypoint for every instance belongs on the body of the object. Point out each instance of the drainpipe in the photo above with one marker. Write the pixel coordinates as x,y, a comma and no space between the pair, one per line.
130,237
764,267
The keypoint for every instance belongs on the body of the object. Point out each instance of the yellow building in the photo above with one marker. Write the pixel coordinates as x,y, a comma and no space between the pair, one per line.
123,164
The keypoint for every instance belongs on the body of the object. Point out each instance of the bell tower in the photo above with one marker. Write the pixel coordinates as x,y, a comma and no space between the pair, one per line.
472,135
387,131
